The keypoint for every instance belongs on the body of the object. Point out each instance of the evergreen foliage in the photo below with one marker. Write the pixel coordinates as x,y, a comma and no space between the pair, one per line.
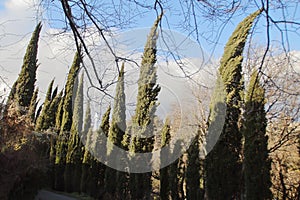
87,123
175,174
115,181
118,122
52,111
74,154
223,163
40,122
142,122
66,122
23,89
51,117
58,115
164,172
94,170
33,104
86,176
105,121
193,173
257,164
86,138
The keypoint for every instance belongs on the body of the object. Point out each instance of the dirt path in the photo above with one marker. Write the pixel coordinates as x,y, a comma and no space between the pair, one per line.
47,195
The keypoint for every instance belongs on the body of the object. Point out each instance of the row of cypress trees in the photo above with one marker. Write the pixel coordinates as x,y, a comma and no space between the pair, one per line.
232,170
233,166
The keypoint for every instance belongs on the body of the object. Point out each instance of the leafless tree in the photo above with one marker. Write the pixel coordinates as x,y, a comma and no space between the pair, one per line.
205,21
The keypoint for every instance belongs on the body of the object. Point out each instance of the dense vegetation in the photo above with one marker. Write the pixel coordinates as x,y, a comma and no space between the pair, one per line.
47,149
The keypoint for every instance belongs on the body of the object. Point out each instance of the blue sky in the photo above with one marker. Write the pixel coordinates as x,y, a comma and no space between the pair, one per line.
18,18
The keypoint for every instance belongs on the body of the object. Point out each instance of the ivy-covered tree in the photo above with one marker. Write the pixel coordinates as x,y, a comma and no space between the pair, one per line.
223,163
74,153
257,164
66,122
23,89
142,122
164,172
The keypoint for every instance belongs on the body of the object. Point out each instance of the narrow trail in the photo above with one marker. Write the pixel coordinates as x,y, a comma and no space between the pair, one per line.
47,195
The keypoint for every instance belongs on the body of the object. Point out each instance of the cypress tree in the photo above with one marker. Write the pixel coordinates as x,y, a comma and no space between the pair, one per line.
118,123
94,168
51,117
142,121
164,172
49,120
115,181
58,115
33,104
110,174
40,122
23,89
223,163
86,137
193,171
66,122
105,121
38,112
175,174
87,165
54,93
87,122
98,168
257,164
74,153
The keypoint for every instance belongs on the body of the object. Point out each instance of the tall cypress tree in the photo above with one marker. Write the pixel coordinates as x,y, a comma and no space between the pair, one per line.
33,104
118,123
58,115
193,171
257,164
74,153
115,181
40,122
66,122
104,126
142,122
223,163
175,174
49,120
23,89
86,137
51,117
164,172
94,168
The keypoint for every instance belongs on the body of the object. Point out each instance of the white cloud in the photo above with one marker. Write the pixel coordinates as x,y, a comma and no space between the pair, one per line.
17,21
19,4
